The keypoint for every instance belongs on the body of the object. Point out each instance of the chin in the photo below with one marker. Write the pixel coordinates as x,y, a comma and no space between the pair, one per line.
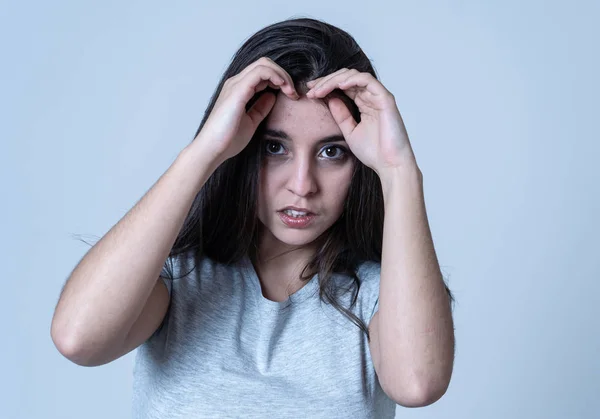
295,237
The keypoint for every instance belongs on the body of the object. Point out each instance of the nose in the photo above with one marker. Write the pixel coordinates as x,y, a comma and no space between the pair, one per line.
302,181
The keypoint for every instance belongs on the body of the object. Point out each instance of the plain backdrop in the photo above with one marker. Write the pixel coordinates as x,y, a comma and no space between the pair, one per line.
500,100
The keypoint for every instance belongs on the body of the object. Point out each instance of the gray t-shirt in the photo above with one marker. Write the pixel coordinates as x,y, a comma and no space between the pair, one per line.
226,351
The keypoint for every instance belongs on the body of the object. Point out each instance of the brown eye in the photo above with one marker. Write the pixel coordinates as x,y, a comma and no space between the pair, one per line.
331,151
271,147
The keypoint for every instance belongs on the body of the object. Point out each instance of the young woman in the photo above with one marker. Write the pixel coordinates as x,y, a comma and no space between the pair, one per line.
299,277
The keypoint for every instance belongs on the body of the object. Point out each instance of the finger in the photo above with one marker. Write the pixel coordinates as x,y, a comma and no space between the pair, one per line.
267,62
286,84
258,79
328,84
267,73
312,82
366,81
342,116
263,84
351,85
280,70
324,80
261,108
253,65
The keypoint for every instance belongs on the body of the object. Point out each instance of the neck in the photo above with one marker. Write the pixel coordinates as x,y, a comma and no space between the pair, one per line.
275,256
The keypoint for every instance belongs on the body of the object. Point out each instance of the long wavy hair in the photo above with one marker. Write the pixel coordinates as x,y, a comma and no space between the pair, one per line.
222,223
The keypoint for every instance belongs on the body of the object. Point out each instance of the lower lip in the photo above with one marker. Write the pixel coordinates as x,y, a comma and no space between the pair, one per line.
296,222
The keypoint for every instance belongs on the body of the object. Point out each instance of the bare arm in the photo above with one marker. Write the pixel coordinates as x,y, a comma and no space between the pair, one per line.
114,298
107,291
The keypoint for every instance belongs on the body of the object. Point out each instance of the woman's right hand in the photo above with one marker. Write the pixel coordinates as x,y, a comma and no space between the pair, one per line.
229,128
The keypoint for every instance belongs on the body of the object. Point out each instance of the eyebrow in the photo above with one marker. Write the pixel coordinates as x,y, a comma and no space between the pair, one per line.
282,135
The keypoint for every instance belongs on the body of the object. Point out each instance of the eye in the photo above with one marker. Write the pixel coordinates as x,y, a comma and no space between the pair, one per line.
331,152
328,151
272,146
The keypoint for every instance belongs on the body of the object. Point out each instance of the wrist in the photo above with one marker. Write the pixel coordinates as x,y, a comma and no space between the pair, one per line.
201,154
406,173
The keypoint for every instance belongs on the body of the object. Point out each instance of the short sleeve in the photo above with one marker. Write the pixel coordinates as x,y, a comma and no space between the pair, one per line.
167,275
375,308
168,282
369,274
172,263
179,266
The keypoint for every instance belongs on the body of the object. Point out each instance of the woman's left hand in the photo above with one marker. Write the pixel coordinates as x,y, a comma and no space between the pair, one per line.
380,140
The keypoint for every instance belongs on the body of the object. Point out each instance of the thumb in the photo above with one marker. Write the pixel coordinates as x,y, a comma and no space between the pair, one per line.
342,116
261,108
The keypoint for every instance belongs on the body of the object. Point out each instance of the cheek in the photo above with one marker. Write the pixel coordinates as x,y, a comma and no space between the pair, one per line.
271,176
338,199
266,187
338,180
338,185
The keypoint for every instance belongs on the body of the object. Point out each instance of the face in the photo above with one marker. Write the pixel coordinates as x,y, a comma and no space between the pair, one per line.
301,168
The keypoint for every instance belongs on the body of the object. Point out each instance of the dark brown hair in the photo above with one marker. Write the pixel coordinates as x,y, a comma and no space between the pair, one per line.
223,224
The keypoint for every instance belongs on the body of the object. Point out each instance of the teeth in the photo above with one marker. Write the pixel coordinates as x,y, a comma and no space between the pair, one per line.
293,213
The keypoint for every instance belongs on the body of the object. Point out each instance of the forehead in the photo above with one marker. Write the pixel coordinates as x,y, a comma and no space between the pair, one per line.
302,119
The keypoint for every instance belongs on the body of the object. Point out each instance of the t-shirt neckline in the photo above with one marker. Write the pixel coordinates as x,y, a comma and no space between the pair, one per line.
263,302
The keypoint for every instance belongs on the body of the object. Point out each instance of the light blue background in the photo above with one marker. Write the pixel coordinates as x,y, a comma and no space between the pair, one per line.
500,99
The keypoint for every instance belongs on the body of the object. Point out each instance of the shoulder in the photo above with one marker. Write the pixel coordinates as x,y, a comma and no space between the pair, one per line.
192,266
369,273
180,265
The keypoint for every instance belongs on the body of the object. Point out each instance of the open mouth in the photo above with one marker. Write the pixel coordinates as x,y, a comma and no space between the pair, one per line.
296,219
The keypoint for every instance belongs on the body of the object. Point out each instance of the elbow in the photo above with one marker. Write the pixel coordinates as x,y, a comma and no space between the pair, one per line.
71,348
68,348
415,396
429,396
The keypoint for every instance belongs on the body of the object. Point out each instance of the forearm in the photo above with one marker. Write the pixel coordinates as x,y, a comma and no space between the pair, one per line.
416,334
108,288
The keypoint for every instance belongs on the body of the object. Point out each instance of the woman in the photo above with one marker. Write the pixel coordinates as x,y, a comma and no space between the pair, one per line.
271,233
